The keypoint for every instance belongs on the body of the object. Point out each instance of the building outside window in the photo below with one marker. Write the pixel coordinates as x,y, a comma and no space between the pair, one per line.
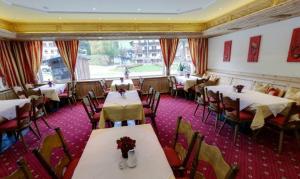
183,60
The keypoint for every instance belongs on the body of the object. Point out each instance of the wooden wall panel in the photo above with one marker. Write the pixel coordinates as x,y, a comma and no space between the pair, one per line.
159,83
7,94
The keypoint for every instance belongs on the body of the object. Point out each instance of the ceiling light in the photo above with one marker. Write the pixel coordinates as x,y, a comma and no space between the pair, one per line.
134,18
220,9
59,18
139,9
140,37
99,18
94,8
100,37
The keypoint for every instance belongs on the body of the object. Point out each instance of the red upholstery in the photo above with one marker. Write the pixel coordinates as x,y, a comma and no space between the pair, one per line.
279,120
96,116
63,95
10,124
71,167
100,106
148,112
179,86
273,91
172,157
145,104
246,116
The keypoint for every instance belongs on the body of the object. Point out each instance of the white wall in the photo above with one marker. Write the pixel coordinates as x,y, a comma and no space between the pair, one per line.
273,54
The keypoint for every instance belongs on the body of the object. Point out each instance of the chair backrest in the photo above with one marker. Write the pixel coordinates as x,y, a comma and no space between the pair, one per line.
93,98
88,107
294,110
20,92
43,154
213,156
155,103
103,84
38,105
149,94
141,82
123,86
200,94
31,92
213,99
22,172
174,82
170,82
185,129
231,107
24,114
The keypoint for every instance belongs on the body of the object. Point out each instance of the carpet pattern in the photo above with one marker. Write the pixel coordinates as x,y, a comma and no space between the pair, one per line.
255,158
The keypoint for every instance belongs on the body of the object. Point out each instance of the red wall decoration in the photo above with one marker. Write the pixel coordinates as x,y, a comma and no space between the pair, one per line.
227,51
294,52
254,46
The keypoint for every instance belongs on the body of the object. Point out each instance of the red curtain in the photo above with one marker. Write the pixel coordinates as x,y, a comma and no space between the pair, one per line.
20,61
68,51
199,53
168,49
9,67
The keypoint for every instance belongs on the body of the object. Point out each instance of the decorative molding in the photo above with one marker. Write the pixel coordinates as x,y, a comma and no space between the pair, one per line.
213,27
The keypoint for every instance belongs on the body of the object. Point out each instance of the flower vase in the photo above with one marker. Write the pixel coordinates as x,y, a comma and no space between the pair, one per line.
124,153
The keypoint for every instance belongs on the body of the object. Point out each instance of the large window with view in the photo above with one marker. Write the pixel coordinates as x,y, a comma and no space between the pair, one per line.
183,62
52,66
110,58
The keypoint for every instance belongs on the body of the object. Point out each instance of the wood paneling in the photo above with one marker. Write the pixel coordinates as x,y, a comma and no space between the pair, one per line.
7,94
159,83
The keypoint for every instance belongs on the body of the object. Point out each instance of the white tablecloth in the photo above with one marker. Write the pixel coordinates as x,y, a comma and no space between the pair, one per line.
120,108
187,82
8,107
100,158
256,100
118,82
52,92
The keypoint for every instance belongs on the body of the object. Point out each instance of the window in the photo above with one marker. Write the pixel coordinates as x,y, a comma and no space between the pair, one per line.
52,67
108,58
182,63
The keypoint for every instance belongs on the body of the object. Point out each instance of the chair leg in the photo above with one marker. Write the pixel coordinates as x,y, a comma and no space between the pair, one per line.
222,126
37,128
45,111
45,121
216,124
176,93
209,111
30,128
236,129
22,139
196,109
281,134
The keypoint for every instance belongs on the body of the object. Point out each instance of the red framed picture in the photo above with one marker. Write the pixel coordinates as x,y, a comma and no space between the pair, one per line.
227,51
294,52
254,46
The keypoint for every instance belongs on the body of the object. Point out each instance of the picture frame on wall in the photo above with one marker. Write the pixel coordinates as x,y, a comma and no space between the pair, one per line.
254,48
294,51
227,51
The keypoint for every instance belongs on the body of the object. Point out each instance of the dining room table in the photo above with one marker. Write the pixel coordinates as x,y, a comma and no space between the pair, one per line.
52,92
8,107
186,81
263,105
122,107
122,82
102,159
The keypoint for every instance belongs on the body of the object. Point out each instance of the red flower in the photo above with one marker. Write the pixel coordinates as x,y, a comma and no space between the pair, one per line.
126,143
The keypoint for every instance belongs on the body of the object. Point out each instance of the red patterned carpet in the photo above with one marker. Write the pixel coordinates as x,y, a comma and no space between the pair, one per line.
256,159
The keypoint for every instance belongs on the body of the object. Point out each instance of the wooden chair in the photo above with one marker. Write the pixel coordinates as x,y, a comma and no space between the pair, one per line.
96,104
22,172
201,99
65,166
214,105
89,109
39,113
151,112
233,114
148,100
213,156
68,94
125,87
104,87
20,92
178,155
170,85
20,123
140,85
176,87
282,123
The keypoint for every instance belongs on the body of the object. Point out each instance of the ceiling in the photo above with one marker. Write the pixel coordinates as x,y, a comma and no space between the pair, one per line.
154,11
